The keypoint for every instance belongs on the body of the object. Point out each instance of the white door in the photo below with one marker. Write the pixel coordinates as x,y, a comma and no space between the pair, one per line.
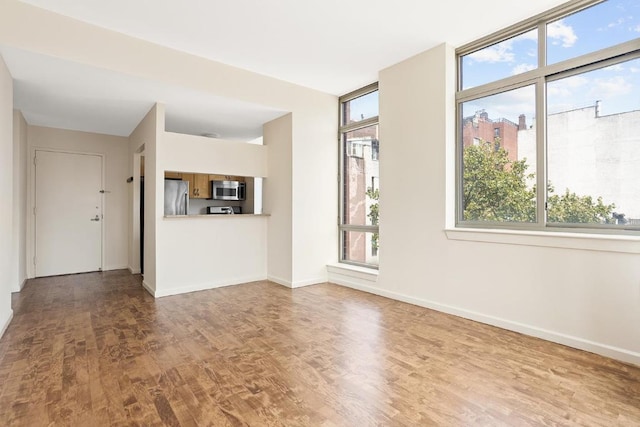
68,213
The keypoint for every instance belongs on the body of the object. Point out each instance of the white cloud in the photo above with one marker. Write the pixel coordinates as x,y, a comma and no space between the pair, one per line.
575,81
500,52
614,86
525,95
561,33
620,21
636,29
522,68
555,90
503,51
508,105
529,35
616,67
566,88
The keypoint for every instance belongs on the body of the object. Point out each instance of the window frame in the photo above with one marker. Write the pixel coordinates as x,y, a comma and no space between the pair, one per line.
342,130
538,77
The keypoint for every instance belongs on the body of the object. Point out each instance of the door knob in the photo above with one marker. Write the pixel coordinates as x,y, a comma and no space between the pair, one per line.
97,218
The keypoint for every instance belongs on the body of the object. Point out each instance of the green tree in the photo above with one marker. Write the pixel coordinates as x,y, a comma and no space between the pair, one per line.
571,208
495,189
373,213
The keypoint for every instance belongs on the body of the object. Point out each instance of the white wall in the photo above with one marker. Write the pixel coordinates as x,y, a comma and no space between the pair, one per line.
6,193
20,156
585,298
207,252
199,154
115,151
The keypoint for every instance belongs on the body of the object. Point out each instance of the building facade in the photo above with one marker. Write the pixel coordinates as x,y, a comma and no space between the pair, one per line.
592,154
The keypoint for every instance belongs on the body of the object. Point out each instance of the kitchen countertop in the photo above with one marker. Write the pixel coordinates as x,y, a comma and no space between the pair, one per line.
212,215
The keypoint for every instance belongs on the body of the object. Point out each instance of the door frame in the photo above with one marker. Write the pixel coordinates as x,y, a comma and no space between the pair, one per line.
135,260
31,203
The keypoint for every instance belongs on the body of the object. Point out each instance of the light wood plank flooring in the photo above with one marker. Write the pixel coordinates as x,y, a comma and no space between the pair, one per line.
96,349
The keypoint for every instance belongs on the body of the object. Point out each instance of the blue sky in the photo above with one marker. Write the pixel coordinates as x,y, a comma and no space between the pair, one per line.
601,26
364,107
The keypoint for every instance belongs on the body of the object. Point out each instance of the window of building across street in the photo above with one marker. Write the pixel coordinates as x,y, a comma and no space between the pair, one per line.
359,177
548,122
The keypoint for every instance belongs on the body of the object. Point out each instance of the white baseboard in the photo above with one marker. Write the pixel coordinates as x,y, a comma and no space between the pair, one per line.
148,288
557,337
20,286
204,286
308,282
6,323
280,281
296,284
111,268
134,270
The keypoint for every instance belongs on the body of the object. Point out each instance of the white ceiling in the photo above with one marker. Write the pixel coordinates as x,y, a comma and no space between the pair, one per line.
62,94
334,46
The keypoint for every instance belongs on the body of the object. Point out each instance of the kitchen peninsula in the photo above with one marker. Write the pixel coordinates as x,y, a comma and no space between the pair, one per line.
227,250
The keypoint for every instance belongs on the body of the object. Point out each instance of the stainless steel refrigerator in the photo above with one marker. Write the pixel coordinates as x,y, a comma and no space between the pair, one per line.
176,197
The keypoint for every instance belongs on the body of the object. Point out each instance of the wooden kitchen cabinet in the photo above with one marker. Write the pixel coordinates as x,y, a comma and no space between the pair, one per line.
226,178
173,175
199,187
203,186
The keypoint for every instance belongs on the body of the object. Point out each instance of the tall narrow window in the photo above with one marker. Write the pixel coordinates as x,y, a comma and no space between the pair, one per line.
359,178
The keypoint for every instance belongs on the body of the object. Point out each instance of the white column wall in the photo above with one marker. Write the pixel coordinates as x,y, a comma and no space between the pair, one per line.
277,199
20,158
314,194
146,133
6,193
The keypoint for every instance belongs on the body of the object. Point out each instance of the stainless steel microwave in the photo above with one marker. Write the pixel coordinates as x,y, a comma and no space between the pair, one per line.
228,190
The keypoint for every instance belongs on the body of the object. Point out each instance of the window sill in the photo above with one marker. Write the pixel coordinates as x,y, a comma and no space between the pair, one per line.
353,276
550,239
354,268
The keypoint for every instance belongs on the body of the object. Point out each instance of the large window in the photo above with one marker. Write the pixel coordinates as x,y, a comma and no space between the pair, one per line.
549,121
359,177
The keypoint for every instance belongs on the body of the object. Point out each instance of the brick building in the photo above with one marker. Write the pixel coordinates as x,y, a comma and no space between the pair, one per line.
361,171
480,127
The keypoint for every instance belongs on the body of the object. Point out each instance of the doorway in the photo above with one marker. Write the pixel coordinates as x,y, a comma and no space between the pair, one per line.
136,250
68,213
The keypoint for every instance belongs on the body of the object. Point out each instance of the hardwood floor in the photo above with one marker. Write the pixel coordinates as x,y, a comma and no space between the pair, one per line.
96,349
